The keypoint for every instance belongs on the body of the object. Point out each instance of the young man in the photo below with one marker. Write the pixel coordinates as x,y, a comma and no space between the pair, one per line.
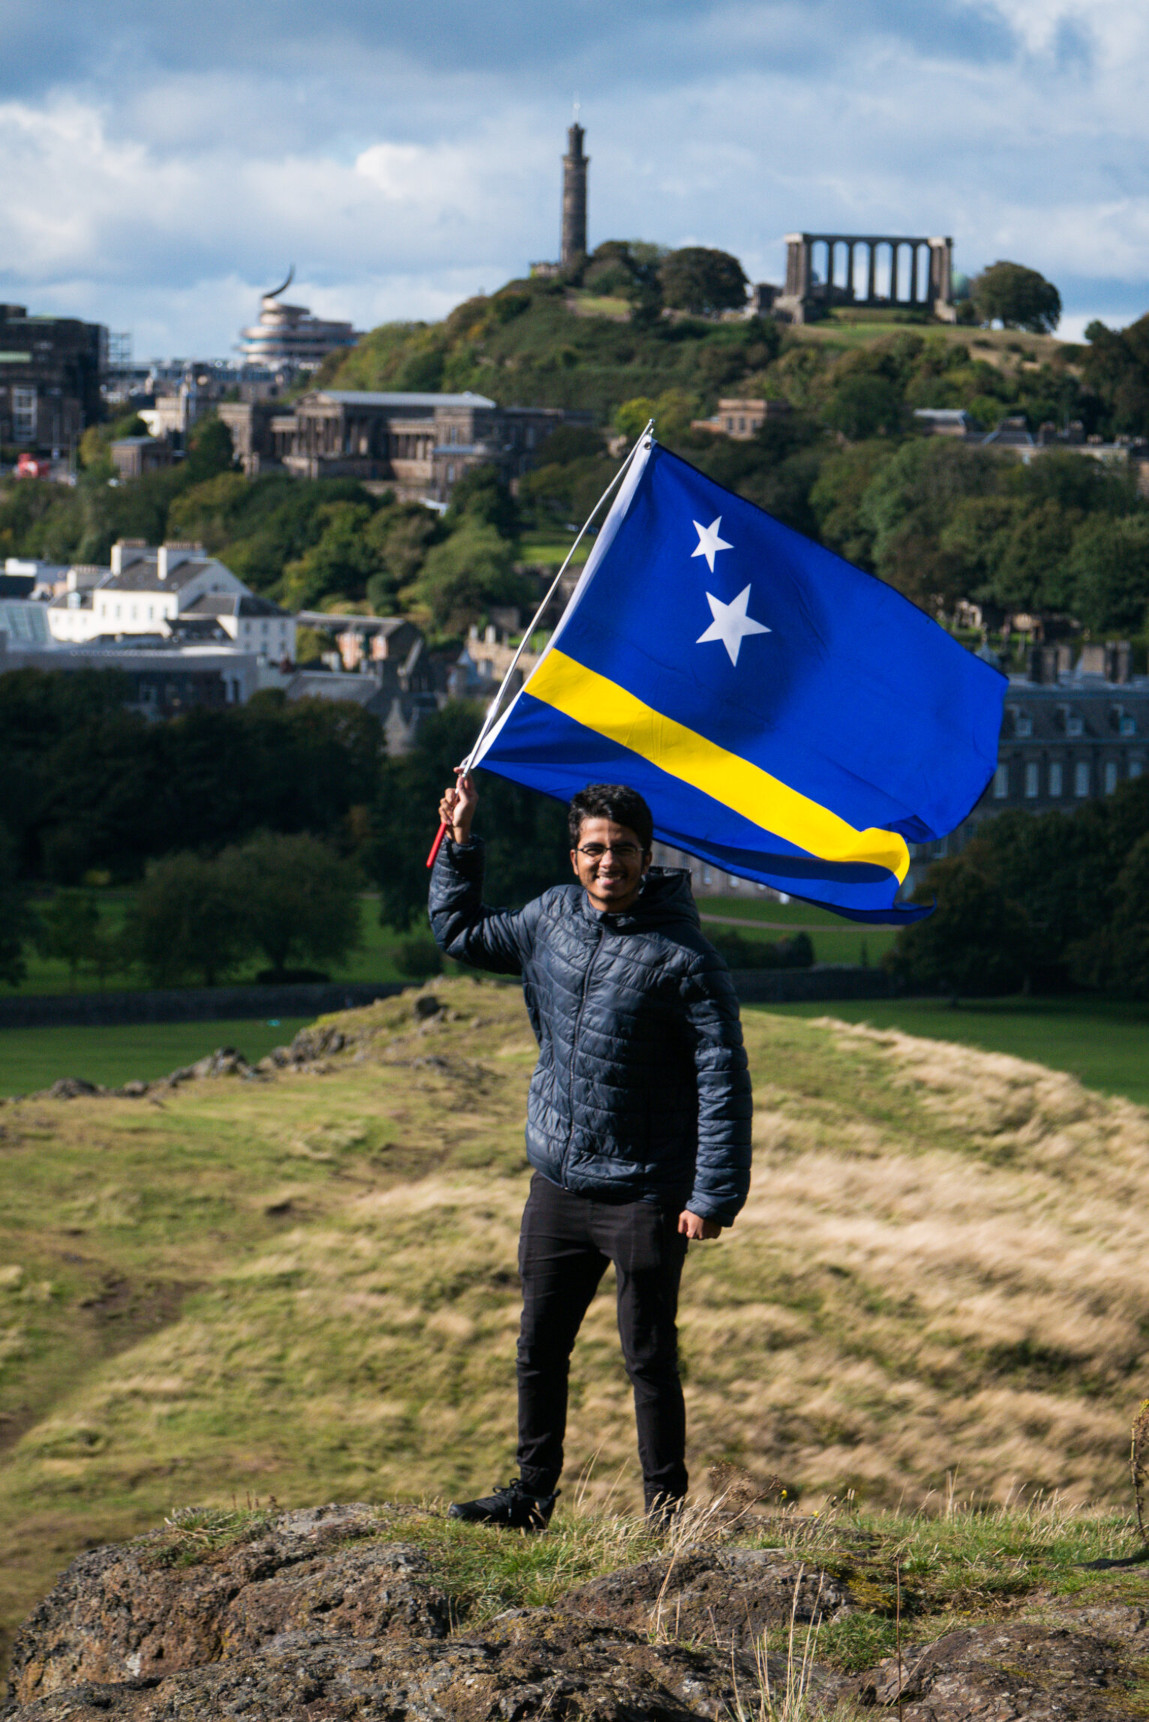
638,1121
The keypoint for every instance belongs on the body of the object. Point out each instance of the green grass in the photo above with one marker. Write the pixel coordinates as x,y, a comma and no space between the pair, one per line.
32,1058
834,940
373,961
1105,1044
305,1288
549,545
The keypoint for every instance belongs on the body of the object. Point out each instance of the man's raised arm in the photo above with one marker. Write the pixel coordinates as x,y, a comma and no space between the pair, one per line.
463,927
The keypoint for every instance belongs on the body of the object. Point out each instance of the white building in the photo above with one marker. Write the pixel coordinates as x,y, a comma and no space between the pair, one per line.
169,590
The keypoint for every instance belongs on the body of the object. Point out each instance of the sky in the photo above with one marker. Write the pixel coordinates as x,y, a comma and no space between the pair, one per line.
164,161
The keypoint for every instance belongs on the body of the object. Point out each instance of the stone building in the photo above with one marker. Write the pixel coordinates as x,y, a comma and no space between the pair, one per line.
50,369
872,271
741,419
418,444
1068,736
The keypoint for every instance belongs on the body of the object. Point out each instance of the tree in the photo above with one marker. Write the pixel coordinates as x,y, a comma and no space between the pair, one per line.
1108,573
14,923
1117,366
524,833
703,281
1123,950
976,941
298,899
68,927
462,577
188,919
1017,298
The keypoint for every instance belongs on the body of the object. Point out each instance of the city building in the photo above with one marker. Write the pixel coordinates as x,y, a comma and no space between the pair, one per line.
419,445
163,678
289,336
50,370
170,591
1069,735
741,419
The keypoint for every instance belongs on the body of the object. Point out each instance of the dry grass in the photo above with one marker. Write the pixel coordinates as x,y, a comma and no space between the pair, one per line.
306,1289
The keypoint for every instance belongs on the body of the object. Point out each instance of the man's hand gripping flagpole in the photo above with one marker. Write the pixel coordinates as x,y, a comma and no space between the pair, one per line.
461,771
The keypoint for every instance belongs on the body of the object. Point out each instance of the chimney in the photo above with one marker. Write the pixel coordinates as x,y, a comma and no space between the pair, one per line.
119,560
170,555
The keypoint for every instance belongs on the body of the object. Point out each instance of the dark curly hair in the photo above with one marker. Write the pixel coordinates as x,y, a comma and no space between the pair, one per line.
613,801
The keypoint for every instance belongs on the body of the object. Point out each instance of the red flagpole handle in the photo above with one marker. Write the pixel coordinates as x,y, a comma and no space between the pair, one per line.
438,843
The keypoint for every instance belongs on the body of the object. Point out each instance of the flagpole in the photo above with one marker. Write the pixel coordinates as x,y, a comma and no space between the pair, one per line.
492,709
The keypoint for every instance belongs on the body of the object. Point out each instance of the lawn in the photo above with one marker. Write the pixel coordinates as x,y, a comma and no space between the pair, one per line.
373,961
549,545
835,940
1105,1044
32,1058
305,1287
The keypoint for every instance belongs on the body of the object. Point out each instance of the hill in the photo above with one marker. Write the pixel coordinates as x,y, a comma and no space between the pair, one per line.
303,1286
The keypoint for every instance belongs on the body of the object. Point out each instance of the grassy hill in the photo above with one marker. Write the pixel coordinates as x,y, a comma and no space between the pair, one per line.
304,1288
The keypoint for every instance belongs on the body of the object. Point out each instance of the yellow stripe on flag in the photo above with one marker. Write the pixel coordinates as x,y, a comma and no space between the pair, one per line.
609,710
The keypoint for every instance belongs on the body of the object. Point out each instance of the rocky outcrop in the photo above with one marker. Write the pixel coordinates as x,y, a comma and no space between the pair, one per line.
323,1614
122,1613
1010,1669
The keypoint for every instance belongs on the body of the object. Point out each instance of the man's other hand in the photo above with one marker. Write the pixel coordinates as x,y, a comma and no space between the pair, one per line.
457,808
693,1226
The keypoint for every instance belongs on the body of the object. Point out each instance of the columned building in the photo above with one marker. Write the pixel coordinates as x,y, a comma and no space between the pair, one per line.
868,271
421,445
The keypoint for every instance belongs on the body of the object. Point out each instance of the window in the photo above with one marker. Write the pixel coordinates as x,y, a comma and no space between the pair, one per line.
1055,778
1001,783
1074,723
706,875
1081,778
1136,767
1031,785
1022,722
733,880
1110,776
23,415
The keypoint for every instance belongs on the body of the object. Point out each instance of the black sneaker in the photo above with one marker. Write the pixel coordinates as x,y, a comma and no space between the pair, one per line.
513,1507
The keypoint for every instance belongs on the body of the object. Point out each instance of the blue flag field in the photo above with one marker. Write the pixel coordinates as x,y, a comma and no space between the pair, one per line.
787,717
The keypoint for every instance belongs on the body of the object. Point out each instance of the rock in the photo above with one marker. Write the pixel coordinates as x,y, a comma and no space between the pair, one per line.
726,1599
71,1088
123,1612
552,1668
311,1044
1001,1671
132,1090
427,1005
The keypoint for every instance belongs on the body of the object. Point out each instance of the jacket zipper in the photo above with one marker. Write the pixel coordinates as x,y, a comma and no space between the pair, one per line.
574,1052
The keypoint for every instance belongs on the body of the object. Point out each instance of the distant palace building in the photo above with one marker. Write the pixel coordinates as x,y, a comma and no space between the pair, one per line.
289,336
419,445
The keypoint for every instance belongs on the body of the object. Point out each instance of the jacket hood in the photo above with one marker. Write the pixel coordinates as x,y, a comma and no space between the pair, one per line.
665,899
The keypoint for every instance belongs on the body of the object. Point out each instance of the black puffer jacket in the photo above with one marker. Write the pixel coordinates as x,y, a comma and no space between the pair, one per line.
641,1089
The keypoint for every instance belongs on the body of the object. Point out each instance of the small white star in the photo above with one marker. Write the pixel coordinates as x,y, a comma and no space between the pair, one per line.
731,624
709,542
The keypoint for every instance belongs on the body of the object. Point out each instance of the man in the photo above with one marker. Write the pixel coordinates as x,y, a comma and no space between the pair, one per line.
638,1122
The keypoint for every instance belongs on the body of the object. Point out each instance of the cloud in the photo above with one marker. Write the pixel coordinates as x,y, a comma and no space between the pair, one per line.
170,160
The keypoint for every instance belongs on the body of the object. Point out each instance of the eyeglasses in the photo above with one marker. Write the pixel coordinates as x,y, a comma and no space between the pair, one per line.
620,851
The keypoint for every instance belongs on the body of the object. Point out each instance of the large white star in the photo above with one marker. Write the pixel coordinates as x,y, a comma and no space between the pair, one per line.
709,542
731,624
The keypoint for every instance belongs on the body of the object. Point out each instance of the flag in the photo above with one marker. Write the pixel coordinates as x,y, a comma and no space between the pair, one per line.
788,718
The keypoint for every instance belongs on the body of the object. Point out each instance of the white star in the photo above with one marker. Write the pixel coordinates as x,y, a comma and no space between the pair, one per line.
709,542
731,624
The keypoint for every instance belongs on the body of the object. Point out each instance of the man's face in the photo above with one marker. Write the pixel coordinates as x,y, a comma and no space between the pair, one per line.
609,863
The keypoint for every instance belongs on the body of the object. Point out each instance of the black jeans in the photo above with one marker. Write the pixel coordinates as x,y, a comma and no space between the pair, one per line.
564,1247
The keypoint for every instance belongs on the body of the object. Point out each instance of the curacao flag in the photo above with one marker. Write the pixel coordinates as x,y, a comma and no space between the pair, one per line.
787,717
